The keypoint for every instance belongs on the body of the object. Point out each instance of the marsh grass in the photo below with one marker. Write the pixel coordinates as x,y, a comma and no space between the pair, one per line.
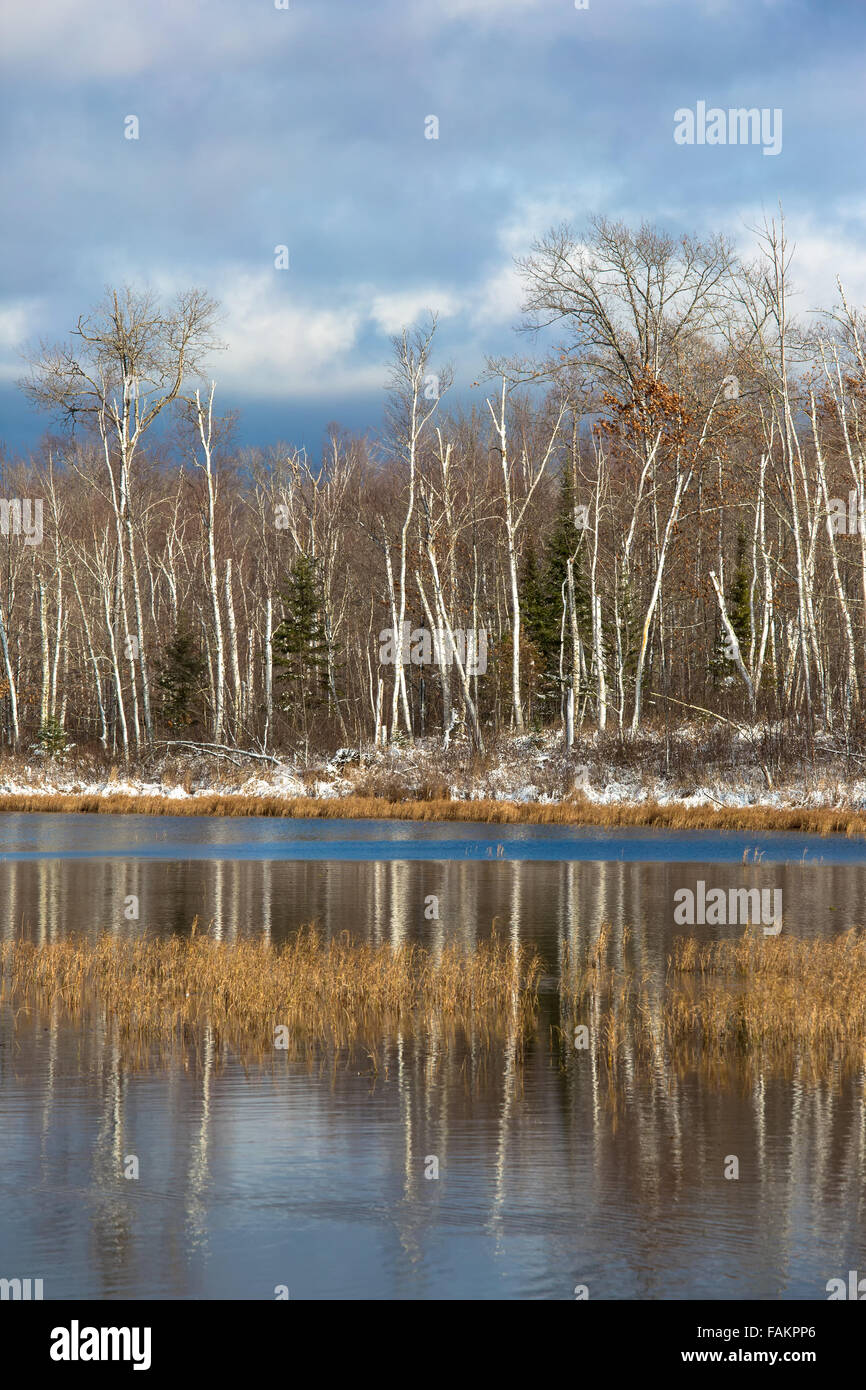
729,1006
575,810
773,994
152,993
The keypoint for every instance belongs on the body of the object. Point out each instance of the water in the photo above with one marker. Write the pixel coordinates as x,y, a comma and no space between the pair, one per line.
314,1179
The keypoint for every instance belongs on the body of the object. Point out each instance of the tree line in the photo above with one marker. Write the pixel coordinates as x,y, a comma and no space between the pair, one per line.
662,513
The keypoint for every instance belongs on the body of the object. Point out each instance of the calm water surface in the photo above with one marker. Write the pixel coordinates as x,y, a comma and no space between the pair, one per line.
314,1177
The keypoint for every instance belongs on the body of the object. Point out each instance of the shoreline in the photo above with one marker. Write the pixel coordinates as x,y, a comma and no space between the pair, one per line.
816,820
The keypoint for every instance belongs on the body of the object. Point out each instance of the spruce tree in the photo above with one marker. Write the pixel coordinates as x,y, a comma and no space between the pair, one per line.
542,601
540,621
299,645
562,546
739,610
179,679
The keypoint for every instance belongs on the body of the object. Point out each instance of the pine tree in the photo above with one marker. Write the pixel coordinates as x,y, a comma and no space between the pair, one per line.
299,646
539,617
542,600
562,547
51,739
179,679
740,614
739,610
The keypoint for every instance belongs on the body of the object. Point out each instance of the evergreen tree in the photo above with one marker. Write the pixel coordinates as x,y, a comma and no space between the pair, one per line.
562,546
299,646
51,739
739,611
542,599
540,620
179,679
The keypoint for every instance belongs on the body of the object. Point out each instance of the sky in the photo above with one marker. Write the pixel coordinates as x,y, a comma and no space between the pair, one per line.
307,127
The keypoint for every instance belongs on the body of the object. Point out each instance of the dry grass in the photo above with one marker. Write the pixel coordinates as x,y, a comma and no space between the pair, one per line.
768,1001
577,811
333,992
781,993
729,1007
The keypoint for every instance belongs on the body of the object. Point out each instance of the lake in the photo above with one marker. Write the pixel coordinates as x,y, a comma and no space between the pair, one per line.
317,1179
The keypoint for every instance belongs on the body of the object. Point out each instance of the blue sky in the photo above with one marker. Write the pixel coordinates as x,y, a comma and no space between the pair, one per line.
305,127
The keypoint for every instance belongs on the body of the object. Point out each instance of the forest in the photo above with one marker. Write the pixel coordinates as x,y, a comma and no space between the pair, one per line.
655,515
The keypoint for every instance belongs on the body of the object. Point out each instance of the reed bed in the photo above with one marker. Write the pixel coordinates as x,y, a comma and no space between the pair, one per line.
776,1002
730,1007
338,993
576,810
777,993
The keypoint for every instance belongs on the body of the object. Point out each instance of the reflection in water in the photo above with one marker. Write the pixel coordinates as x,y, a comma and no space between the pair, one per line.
544,904
314,1176
318,1181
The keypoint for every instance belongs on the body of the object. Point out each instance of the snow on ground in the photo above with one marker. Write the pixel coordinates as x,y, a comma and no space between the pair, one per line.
48,782
526,769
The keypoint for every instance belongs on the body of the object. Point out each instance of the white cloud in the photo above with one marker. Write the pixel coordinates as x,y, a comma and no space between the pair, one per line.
392,312
818,260
113,38
278,346
497,299
17,320
821,253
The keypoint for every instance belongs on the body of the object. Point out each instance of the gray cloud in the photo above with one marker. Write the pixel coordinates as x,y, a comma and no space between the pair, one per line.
260,127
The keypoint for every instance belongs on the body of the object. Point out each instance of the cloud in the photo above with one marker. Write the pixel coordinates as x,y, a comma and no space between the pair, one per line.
819,258
496,299
279,346
305,126
77,39
393,311
16,328
821,252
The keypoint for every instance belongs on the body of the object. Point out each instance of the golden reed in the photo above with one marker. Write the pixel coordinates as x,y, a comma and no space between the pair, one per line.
767,1001
577,811
729,1005
246,993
